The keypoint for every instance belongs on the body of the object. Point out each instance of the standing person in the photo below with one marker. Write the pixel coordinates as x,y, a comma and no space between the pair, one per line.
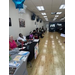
40,33
12,43
43,29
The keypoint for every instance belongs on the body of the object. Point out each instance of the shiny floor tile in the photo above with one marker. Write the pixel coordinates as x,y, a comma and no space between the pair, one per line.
58,71
51,58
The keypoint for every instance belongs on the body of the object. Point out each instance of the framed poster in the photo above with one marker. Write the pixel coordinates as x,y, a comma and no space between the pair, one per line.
36,51
21,22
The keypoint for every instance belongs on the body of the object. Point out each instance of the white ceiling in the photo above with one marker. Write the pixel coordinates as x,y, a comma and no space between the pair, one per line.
49,5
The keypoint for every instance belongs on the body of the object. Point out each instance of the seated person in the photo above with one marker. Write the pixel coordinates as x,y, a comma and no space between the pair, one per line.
12,43
37,29
36,36
31,35
21,39
34,32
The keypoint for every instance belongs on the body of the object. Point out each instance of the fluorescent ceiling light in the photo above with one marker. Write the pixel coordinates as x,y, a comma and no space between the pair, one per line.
40,8
58,12
54,19
45,16
62,18
62,6
46,19
56,15
43,13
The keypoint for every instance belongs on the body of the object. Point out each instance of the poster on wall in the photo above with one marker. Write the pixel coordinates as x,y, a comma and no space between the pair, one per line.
21,22
36,51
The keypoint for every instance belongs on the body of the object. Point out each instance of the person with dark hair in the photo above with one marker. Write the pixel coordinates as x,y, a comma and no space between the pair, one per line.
43,29
36,36
21,39
40,33
34,32
36,28
37,33
31,35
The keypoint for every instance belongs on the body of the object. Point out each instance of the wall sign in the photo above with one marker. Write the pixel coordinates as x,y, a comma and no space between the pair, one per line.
21,22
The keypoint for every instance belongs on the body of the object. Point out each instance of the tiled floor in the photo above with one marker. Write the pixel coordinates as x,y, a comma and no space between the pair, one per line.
51,58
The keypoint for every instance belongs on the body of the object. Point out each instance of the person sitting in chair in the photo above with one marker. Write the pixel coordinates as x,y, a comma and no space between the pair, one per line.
21,39
36,36
12,43
31,35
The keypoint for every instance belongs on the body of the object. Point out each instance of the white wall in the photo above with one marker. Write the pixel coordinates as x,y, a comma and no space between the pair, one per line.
29,24
47,25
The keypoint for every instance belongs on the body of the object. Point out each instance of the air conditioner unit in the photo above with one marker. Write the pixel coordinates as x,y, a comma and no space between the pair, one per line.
22,11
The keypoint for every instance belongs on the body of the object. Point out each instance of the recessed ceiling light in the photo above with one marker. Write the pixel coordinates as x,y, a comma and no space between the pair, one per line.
56,15
40,8
62,18
43,13
45,16
58,12
46,19
54,19
62,6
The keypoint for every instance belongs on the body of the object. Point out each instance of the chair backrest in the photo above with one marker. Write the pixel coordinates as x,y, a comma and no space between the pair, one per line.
15,40
27,37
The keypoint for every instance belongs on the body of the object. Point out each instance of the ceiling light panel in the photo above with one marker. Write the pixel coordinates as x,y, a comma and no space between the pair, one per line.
40,8
54,19
45,16
46,19
56,15
43,13
62,6
58,12
62,19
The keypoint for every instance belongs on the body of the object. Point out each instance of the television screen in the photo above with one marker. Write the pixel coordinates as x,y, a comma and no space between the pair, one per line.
59,24
9,21
33,17
52,25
